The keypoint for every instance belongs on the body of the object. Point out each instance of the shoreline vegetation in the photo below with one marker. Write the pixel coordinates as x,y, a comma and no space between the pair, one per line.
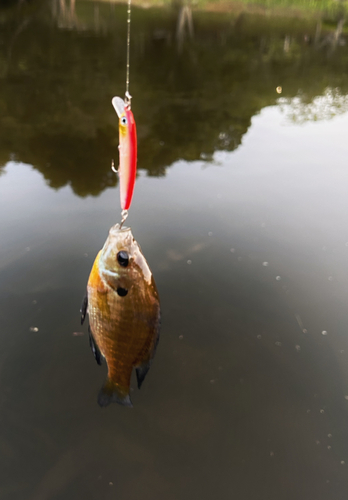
330,9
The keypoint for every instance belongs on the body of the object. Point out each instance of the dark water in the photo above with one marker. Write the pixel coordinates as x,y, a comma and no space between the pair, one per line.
241,210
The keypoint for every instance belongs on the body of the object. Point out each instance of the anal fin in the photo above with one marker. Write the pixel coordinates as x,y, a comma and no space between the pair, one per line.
94,347
141,372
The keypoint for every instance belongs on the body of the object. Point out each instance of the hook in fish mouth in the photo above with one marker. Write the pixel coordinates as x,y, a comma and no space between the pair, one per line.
124,214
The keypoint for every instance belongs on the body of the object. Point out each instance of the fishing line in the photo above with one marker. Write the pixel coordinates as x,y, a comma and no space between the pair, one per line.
128,97
127,134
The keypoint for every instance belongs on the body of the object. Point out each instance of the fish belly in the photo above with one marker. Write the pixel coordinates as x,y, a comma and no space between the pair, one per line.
124,332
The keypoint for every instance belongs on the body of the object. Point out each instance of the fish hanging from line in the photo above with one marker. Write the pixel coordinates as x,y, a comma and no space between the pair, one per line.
123,307
127,151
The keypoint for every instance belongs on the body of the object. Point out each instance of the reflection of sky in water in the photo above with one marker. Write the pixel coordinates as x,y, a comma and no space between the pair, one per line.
293,175
322,107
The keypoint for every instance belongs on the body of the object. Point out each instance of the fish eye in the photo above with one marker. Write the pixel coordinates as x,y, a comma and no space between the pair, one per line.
122,258
124,120
122,292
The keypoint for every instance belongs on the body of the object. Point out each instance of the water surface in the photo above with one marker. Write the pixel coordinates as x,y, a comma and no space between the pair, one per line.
240,208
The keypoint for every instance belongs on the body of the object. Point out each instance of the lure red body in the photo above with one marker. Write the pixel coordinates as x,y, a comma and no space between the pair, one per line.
128,158
127,151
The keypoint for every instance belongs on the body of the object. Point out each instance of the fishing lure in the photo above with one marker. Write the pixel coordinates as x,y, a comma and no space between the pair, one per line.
127,151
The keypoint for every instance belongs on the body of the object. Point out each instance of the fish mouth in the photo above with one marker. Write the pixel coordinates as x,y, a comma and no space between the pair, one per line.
117,229
121,238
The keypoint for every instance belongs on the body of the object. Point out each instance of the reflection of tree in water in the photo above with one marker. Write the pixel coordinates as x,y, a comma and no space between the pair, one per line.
324,107
184,22
65,14
189,100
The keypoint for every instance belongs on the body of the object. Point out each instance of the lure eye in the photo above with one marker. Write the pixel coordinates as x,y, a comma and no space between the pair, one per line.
124,120
122,292
122,258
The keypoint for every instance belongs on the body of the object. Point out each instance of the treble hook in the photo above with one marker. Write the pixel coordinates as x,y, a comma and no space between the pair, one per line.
124,214
113,167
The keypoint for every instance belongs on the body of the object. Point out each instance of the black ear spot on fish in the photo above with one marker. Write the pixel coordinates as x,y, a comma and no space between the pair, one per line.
122,292
122,258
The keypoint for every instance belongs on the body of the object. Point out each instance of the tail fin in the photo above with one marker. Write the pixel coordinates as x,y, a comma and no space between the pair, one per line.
110,393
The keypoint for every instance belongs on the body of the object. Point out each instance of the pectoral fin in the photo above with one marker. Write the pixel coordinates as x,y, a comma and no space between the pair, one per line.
83,309
95,348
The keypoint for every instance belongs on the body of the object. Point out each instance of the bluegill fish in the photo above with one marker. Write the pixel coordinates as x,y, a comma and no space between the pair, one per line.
124,314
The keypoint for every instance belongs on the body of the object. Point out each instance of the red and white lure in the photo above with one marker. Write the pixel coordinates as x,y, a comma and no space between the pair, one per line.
127,151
